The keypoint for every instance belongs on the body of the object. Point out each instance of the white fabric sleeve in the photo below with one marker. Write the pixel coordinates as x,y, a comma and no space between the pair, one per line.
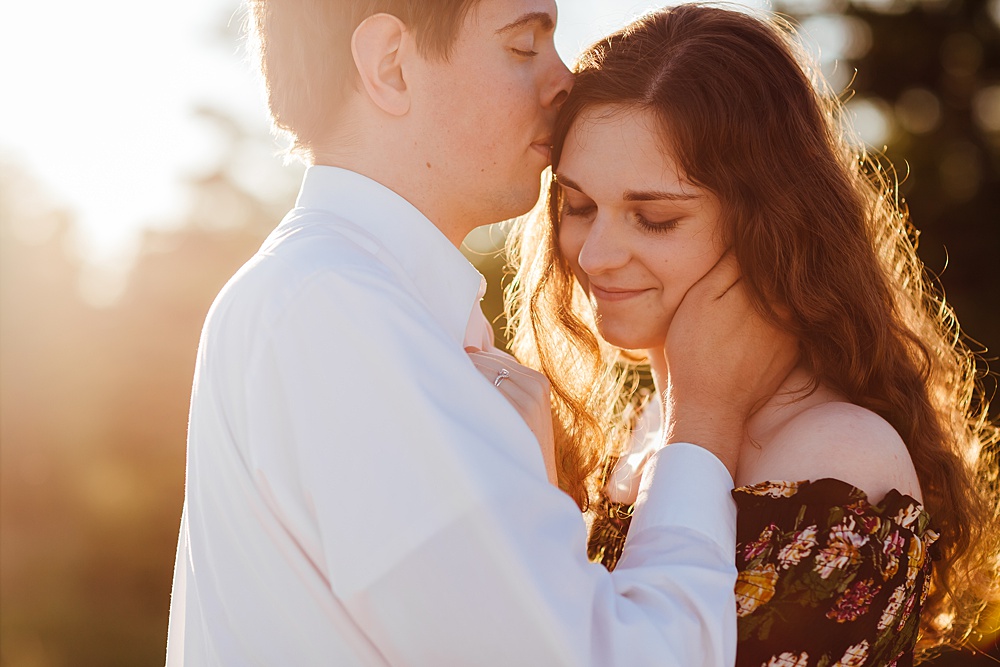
422,498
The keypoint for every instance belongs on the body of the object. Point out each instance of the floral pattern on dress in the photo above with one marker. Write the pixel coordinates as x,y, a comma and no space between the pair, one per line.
754,588
826,579
801,546
842,550
773,489
787,659
851,575
854,602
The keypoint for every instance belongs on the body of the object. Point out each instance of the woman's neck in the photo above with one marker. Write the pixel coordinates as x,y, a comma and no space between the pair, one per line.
658,368
799,391
795,394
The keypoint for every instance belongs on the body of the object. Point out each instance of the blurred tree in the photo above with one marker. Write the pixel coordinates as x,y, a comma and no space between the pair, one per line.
927,95
48,412
95,405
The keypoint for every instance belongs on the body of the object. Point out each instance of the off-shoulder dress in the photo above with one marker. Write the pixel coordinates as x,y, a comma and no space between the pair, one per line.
826,578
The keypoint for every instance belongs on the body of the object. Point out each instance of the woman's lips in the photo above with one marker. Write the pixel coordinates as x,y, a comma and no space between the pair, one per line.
614,293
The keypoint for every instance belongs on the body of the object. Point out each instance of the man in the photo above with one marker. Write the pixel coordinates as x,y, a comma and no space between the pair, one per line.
357,493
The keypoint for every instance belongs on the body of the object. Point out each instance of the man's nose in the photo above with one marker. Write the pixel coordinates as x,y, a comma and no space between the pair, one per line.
562,83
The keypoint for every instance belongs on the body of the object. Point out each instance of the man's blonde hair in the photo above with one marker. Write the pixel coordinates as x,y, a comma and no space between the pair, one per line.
304,51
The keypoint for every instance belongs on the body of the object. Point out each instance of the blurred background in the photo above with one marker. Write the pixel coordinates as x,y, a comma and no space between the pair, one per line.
137,174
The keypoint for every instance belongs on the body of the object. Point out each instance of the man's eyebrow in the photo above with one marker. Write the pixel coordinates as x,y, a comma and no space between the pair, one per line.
543,19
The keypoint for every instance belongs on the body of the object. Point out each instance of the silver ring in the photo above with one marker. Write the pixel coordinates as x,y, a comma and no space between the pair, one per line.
501,376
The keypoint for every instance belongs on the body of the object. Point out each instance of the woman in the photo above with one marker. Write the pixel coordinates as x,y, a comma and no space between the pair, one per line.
867,524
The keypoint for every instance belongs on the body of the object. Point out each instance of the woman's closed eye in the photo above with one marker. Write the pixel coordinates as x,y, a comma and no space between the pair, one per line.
576,204
581,209
655,226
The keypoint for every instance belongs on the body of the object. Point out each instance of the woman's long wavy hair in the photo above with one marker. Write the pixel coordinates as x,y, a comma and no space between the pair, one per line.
820,236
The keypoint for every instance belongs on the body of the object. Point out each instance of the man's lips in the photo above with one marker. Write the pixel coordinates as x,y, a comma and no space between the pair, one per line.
610,293
543,147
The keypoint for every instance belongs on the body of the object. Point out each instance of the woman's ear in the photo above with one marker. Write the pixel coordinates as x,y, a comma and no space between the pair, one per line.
376,47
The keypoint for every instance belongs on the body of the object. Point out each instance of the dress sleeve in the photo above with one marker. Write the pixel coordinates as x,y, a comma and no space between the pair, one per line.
828,578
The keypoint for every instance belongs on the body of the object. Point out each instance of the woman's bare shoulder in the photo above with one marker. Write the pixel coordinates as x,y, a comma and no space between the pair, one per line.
839,440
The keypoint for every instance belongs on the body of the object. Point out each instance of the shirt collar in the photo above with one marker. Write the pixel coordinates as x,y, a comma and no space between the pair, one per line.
449,284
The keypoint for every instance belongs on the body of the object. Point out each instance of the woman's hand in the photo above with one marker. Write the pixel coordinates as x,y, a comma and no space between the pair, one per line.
528,391
724,360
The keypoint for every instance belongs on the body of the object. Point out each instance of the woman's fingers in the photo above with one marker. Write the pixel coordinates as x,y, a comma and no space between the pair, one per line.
494,363
724,359
527,391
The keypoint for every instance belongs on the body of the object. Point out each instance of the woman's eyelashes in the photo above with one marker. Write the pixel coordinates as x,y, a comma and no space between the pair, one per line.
655,226
572,209
577,211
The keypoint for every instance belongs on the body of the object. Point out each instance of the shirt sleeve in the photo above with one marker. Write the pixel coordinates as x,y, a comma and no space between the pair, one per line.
422,498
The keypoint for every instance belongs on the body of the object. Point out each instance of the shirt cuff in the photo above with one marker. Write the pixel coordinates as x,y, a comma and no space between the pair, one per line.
687,486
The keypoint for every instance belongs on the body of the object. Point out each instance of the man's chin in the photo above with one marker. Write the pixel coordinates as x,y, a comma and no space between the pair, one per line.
520,203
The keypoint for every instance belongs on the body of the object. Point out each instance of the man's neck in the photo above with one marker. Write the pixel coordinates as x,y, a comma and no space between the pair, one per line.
400,177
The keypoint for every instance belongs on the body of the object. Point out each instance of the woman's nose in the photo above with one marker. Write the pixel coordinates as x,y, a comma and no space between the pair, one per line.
603,249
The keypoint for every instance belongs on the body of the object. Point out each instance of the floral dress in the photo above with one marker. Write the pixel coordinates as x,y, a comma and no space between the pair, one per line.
826,579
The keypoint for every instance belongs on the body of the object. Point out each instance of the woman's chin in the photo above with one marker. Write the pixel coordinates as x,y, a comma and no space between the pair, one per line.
630,342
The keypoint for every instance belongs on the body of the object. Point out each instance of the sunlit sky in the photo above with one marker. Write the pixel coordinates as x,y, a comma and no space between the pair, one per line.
100,98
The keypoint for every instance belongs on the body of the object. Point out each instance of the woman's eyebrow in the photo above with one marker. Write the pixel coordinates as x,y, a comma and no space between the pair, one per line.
657,195
637,195
562,180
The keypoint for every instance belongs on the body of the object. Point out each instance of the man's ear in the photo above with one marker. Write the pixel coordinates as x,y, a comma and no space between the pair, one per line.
376,46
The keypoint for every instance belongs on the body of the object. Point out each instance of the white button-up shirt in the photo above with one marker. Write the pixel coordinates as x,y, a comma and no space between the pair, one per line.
358,494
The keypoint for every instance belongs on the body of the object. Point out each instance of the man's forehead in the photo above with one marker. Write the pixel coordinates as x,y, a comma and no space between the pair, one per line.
540,19
506,16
